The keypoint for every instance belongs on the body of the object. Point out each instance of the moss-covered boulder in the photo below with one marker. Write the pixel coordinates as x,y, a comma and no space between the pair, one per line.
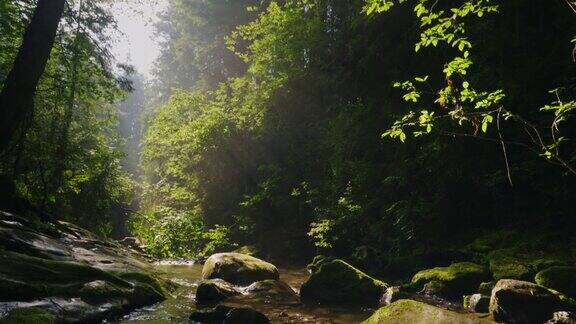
317,262
239,269
410,311
505,264
515,301
485,288
562,279
453,281
32,315
215,290
72,273
337,282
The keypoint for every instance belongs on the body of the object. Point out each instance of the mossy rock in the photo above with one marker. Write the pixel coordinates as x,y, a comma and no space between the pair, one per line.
317,262
485,288
504,264
410,311
33,315
337,282
162,286
515,301
214,290
457,279
24,278
100,291
561,279
239,269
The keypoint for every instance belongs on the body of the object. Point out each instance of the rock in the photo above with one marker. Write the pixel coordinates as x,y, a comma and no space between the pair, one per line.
453,281
562,318
239,269
245,315
505,265
410,311
229,315
485,288
132,242
317,262
479,303
274,291
32,315
215,315
395,293
214,290
515,301
72,273
562,279
338,282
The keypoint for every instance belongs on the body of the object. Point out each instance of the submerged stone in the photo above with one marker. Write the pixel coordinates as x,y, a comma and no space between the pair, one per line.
215,290
337,282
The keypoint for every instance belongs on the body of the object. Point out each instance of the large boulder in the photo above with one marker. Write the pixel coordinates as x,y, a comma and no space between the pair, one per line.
214,290
71,273
239,269
453,281
410,311
515,301
562,279
337,282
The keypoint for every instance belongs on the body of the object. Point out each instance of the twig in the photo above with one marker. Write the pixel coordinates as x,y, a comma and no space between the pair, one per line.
503,147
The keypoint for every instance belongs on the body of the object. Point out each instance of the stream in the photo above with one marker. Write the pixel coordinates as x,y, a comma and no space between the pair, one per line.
178,308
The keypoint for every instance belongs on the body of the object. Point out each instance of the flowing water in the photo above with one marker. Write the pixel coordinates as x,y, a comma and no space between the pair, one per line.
178,308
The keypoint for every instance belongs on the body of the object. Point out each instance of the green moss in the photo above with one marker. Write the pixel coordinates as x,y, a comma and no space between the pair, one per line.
504,264
410,311
317,262
338,282
99,291
466,301
32,315
458,278
562,279
160,285
238,268
485,288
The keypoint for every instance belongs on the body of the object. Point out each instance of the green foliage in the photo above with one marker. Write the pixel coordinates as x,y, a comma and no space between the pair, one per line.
66,161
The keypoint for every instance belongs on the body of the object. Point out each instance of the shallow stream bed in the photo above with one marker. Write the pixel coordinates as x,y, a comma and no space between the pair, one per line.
178,308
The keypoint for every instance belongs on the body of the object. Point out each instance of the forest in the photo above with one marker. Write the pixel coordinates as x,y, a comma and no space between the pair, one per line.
430,144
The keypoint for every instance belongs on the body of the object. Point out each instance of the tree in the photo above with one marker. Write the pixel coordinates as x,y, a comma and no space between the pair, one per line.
17,97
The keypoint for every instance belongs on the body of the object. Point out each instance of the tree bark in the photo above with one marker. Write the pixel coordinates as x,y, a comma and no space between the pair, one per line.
17,96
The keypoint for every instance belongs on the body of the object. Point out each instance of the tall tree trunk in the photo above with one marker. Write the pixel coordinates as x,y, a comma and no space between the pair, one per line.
17,96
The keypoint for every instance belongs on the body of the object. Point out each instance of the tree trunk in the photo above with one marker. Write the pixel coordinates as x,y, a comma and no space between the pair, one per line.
17,97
